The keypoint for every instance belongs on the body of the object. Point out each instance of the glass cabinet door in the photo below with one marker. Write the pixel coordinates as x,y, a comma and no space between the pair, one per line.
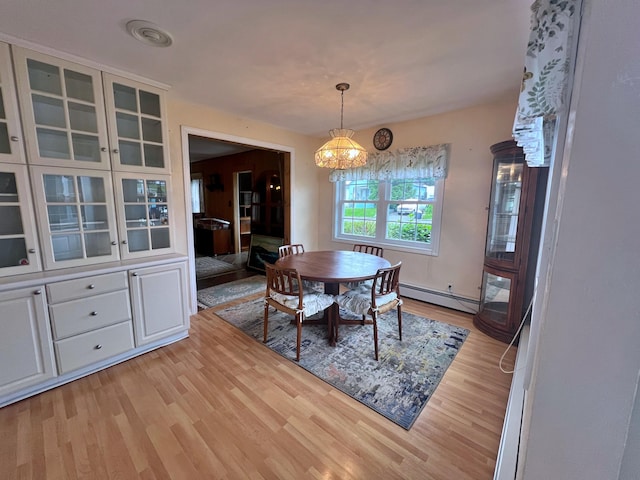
63,110
76,216
144,214
18,244
10,131
502,228
137,126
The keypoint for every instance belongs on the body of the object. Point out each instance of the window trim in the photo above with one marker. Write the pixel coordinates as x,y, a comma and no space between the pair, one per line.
431,249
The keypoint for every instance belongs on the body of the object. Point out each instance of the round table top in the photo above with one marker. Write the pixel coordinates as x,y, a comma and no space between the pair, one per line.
334,265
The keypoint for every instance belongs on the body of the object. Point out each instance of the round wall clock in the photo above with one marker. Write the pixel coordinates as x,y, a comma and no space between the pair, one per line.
382,139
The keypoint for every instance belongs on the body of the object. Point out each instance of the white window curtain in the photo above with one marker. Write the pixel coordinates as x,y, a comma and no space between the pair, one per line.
545,81
413,162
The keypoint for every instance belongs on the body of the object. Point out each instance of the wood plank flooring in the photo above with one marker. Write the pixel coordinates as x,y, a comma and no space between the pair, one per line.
220,405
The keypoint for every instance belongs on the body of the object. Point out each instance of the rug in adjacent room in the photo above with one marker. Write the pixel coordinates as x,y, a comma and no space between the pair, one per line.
226,292
397,386
207,267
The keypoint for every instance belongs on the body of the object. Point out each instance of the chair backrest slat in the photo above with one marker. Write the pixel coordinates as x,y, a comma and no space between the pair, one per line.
285,281
371,249
292,249
387,280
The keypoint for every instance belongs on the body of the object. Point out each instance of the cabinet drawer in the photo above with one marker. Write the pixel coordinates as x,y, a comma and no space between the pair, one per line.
82,287
78,316
87,348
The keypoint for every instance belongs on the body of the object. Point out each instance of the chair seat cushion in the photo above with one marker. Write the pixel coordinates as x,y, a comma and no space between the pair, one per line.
358,300
313,302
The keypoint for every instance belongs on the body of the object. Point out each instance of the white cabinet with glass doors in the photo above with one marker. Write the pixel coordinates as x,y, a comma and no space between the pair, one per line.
76,216
11,146
137,125
63,111
18,240
144,214
77,116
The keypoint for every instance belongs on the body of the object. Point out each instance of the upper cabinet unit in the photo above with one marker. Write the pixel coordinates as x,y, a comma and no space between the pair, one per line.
137,126
75,210
11,146
63,111
77,116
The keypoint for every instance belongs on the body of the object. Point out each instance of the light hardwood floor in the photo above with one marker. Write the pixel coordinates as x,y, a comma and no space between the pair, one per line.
221,405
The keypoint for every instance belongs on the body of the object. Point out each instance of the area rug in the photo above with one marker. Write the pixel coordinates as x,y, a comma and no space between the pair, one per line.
207,267
397,386
226,292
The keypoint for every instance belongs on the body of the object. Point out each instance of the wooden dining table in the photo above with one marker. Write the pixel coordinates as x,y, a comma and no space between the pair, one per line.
333,267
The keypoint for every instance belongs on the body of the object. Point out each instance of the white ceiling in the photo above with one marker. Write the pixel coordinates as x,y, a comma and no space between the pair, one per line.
278,61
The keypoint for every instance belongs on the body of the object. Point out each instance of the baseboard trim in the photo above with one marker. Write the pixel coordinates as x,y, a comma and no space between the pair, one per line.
507,461
444,299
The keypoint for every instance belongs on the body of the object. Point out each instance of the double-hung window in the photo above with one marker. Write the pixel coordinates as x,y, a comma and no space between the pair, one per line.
391,203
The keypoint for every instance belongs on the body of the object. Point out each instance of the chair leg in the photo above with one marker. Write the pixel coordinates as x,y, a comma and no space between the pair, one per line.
299,336
400,322
375,334
266,321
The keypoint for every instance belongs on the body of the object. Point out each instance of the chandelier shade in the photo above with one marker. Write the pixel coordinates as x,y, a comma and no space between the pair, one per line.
341,152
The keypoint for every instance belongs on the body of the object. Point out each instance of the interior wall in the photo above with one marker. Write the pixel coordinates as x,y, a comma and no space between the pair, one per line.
466,194
219,202
579,419
304,175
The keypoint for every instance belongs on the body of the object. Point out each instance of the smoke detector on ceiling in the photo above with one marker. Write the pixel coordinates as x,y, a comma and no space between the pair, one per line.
149,33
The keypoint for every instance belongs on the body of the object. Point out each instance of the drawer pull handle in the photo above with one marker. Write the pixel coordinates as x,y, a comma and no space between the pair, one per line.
124,242
115,150
98,347
114,243
32,250
103,149
14,138
91,287
134,274
94,314
37,292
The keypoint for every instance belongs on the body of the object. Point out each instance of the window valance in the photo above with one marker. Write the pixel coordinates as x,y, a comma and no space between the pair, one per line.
413,162
546,73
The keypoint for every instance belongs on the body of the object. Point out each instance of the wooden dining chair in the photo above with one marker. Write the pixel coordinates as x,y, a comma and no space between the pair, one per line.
292,249
371,249
285,292
380,298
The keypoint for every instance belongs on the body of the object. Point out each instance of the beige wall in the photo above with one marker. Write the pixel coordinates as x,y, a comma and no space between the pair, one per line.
470,132
304,188
466,195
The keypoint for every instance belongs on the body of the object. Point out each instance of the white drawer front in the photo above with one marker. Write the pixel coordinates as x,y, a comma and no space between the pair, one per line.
87,348
83,287
78,316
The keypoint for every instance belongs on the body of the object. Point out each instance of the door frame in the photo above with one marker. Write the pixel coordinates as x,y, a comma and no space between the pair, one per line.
185,132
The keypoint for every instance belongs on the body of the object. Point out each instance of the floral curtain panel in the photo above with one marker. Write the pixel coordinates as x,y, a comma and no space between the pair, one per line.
545,81
414,162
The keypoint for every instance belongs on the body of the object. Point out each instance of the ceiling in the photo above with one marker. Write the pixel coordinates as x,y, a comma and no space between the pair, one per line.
278,61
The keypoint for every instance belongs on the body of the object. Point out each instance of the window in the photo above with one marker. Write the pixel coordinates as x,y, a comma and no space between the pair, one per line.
197,193
402,212
394,200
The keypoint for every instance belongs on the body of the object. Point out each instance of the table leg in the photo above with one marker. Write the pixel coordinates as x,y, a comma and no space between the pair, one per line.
332,314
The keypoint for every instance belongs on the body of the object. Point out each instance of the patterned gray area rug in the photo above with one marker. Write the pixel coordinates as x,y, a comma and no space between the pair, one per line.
226,292
207,267
398,386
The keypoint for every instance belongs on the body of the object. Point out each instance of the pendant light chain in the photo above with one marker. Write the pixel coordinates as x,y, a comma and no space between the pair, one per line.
341,108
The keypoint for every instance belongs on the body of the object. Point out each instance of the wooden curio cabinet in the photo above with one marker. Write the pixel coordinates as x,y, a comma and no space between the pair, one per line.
513,232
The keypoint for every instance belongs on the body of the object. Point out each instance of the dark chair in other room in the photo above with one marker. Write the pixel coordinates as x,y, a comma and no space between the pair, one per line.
381,297
286,293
